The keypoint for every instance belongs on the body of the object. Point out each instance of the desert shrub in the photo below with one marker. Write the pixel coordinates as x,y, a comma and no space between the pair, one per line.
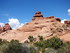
3,47
0,41
65,48
3,41
31,38
40,38
50,50
34,49
27,48
13,47
54,42
52,45
53,23
38,44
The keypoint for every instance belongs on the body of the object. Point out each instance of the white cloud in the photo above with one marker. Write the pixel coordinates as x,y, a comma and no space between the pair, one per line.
1,24
68,11
62,21
14,23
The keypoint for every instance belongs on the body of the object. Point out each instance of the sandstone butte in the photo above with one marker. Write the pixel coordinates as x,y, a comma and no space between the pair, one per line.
39,25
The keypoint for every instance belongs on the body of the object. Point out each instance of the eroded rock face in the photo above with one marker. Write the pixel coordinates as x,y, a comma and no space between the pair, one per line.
45,26
38,16
67,22
7,27
58,19
1,29
50,17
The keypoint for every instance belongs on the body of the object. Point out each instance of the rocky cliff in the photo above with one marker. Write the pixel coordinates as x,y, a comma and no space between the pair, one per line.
39,25
5,28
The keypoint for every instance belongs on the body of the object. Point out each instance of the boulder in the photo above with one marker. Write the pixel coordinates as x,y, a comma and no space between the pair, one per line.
50,17
38,16
67,22
58,19
7,27
38,12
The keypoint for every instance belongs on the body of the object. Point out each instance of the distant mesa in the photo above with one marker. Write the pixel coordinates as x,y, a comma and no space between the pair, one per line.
5,28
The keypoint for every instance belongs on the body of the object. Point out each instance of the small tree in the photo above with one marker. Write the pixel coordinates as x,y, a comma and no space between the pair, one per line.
31,38
13,47
54,42
40,38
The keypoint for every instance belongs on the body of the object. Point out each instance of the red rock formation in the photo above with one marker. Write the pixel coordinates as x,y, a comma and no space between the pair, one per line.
52,20
1,29
58,19
67,22
46,17
50,17
38,16
38,12
7,27
27,23
36,23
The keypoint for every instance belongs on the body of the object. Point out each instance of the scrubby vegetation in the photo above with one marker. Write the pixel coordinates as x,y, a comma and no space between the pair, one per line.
52,45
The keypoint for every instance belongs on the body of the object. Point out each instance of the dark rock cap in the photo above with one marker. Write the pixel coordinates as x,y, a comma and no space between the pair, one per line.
67,21
49,17
38,14
58,19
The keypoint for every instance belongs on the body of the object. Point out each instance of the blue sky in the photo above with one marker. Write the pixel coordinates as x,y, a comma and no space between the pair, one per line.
23,10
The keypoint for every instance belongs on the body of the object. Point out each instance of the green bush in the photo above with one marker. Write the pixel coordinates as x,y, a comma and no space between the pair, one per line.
65,48
31,38
13,47
52,45
40,38
50,50
54,42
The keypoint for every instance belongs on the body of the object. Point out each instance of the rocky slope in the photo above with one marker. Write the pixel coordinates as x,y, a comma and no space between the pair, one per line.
44,26
5,28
